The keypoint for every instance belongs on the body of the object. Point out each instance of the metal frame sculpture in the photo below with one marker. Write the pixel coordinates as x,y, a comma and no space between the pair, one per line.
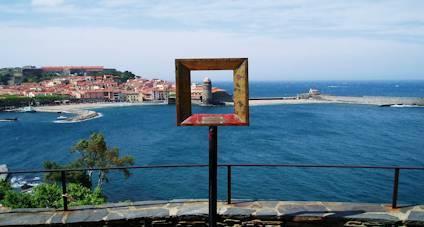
240,117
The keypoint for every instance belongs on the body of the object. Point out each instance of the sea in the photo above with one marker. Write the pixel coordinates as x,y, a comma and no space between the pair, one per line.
339,134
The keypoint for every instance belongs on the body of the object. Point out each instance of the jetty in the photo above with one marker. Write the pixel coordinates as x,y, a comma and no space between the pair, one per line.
307,98
3,168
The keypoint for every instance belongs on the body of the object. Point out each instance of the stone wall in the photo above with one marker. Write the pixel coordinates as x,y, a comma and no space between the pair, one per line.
240,213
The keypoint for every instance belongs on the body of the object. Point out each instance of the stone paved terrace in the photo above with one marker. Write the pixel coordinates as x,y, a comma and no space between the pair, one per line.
240,213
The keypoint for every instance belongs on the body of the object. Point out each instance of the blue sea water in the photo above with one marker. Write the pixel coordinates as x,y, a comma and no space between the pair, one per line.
311,134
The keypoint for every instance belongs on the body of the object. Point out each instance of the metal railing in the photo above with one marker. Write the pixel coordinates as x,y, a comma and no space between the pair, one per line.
229,167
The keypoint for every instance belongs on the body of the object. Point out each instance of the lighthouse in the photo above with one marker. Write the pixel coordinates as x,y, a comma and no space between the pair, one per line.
207,91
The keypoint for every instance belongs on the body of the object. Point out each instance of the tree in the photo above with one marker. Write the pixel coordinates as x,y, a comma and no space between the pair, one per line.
79,177
125,76
4,78
95,154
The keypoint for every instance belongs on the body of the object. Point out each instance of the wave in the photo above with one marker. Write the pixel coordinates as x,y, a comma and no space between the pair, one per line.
406,106
336,86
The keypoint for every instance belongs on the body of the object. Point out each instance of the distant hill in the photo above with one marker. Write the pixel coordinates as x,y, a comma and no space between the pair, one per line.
18,75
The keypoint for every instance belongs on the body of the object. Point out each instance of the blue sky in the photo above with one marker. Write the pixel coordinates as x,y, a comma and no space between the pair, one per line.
284,40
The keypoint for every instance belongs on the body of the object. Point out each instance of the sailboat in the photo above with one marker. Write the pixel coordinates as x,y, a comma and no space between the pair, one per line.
61,117
9,119
28,109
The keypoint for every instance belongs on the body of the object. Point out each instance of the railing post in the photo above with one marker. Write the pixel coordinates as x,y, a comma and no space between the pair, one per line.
64,195
395,189
229,184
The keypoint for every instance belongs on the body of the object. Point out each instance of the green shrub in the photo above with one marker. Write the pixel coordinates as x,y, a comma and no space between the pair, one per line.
47,196
50,196
14,199
80,195
4,187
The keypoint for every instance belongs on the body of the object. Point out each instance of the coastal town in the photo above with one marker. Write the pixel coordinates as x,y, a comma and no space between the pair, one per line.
77,90
89,84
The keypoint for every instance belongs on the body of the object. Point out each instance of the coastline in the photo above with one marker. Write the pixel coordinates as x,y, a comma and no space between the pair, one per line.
83,111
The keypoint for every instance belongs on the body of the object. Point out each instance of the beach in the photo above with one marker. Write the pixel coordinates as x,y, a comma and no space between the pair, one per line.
83,111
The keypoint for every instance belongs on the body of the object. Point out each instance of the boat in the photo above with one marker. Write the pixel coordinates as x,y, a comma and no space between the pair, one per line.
61,117
28,109
8,119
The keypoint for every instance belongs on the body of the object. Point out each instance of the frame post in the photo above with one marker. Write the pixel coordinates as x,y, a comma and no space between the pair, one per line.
213,173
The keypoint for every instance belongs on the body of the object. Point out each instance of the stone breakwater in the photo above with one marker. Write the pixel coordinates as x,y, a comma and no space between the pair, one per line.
239,213
78,114
81,112
330,99
372,100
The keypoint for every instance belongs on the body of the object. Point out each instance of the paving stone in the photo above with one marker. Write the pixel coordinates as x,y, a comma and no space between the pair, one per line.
113,205
32,210
114,216
268,204
86,216
266,212
236,212
193,210
85,207
147,213
57,218
415,218
192,213
370,216
299,209
357,207
245,204
148,203
24,219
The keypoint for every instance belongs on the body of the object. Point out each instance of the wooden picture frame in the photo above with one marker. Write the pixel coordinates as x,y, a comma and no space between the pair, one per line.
240,117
